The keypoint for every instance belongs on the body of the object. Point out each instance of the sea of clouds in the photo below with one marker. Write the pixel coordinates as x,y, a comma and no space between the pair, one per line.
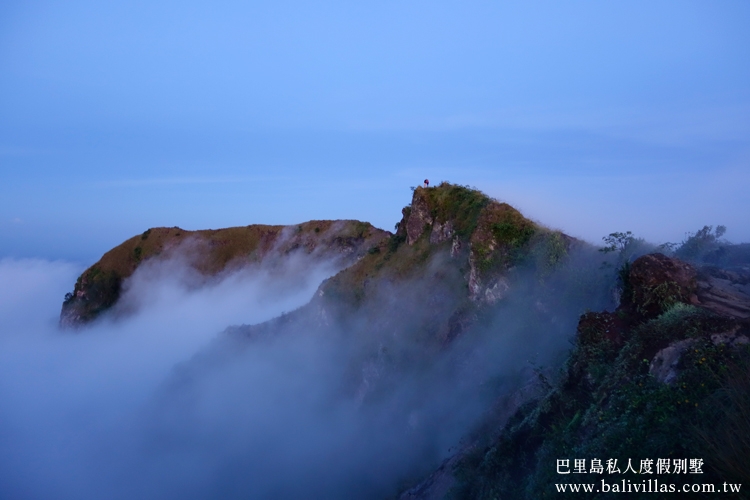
155,400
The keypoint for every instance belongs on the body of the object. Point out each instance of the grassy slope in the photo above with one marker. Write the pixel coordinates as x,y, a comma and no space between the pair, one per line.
213,250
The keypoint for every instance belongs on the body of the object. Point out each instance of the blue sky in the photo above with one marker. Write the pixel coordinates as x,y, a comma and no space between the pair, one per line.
590,117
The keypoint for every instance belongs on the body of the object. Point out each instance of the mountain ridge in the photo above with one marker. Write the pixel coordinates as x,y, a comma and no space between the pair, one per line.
448,332
490,234
210,252
480,238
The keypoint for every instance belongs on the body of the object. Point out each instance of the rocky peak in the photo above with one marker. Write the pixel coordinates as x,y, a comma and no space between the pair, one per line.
490,235
442,212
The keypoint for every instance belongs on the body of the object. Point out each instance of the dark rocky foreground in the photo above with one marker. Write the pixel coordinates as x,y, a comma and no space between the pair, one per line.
666,375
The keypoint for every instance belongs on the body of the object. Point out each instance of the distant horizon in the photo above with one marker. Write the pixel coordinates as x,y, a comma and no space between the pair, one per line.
98,245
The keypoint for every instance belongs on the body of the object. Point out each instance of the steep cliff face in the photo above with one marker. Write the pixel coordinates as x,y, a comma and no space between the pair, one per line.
211,252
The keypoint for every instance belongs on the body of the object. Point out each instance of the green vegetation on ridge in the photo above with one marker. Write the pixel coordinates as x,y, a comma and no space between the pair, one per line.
461,205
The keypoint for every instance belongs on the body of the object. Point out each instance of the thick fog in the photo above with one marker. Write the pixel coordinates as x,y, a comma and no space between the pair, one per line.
155,401
72,402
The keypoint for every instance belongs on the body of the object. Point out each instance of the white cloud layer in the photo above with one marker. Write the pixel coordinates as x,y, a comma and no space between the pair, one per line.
152,402
72,402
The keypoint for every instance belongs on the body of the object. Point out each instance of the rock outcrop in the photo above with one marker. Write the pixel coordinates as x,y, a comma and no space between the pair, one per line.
659,281
491,236
419,217
724,291
665,365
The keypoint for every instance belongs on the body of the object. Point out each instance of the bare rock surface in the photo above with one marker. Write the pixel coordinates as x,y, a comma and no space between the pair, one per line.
724,292
665,365
441,232
419,219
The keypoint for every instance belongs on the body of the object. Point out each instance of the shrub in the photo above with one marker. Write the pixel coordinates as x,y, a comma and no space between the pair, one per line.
698,244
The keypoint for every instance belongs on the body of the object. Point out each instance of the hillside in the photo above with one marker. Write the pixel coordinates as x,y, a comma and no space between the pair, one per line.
431,327
211,252
664,376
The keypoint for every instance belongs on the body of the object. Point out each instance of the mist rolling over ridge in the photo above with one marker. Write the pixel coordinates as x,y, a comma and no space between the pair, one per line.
331,359
359,392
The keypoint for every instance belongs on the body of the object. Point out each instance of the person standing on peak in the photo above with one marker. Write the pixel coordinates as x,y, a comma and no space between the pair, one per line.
426,183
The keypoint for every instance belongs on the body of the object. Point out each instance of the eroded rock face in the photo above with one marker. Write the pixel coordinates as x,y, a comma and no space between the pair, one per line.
484,290
441,232
492,236
497,291
659,281
456,247
418,220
